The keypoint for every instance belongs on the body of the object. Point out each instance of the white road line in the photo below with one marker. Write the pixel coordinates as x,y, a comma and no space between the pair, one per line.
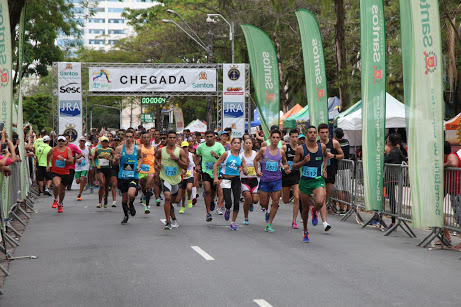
202,253
163,221
262,303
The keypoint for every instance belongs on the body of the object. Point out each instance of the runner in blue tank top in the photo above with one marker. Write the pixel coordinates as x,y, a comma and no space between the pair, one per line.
312,158
270,158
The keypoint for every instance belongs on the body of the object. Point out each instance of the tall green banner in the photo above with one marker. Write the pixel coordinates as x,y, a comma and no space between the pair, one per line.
373,59
314,67
422,57
6,90
265,74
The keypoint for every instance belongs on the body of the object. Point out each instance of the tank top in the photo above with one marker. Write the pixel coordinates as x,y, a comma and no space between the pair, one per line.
332,163
312,169
170,171
290,154
147,163
128,164
84,164
270,166
231,165
58,166
104,157
190,168
250,164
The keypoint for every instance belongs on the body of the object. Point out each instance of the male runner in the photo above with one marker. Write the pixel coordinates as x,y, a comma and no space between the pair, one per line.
209,152
313,158
188,179
224,140
127,155
147,170
59,158
43,177
168,162
82,166
76,154
104,157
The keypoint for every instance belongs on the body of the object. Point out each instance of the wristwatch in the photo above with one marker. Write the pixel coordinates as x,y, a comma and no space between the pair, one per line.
334,156
177,160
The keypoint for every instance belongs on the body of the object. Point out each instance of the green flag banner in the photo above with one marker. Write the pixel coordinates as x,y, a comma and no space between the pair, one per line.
422,57
6,91
373,59
265,74
314,67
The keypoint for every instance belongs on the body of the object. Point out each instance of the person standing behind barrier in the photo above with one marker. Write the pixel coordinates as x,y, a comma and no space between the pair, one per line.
344,175
250,181
313,158
395,156
334,153
60,158
270,159
82,166
43,177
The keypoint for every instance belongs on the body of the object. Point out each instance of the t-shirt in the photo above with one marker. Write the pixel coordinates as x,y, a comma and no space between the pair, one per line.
75,151
37,143
41,152
207,159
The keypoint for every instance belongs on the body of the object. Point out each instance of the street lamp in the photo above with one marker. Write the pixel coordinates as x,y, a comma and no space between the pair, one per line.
200,44
231,29
179,15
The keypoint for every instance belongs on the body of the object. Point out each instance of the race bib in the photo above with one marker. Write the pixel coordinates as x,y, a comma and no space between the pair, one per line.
171,170
290,164
103,162
209,166
128,170
310,172
272,166
82,163
188,174
145,168
60,164
251,171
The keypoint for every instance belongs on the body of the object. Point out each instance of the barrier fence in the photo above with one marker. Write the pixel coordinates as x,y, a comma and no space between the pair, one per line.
348,189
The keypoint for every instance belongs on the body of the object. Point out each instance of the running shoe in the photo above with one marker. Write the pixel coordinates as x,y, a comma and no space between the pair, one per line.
157,202
132,211
315,219
269,228
212,205
92,190
233,226
196,195
267,216
105,202
60,208
55,204
227,214
326,226
219,211
160,197
209,218
125,220
147,210
189,203
99,205
114,204
306,237
181,211
105,205
194,201
174,223
263,210
246,222
79,197
252,207
203,194
294,225
47,193
167,226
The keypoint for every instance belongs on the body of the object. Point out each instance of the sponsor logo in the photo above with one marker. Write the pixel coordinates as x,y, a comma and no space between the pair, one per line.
426,22
233,109
234,73
320,93
101,73
68,66
234,89
269,97
318,69
378,74
202,76
70,108
431,61
377,41
3,37
71,132
4,77
70,88
267,71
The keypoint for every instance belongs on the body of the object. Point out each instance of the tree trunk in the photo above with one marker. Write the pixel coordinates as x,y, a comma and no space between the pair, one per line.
341,52
283,93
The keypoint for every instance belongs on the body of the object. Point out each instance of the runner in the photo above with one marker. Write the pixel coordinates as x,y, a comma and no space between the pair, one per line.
146,170
43,177
231,163
250,181
270,158
59,158
82,166
156,142
224,138
192,148
168,160
210,152
187,180
266,142
104,157
291,181
76,154
127,156
334,153
311,156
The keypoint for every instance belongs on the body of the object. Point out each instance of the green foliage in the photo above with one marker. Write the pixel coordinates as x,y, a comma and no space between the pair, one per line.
38,111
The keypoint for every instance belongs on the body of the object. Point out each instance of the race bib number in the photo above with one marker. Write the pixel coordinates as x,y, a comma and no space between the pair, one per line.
145,168
128,170
272,166
251,171
82,163
171,170
310,172
209,166
103,162
188,174
60,164
290,164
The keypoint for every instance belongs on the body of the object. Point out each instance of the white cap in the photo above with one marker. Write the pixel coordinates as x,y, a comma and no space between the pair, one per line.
46,138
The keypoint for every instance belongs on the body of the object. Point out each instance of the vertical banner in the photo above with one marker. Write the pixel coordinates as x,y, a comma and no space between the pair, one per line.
234,98
314,67
6,91
422,56
70,99
373,53
179,118
265,73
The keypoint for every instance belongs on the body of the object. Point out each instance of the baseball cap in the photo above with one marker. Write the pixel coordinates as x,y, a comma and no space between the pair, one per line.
61,138
224,132
46,138
184,144
82,138
116,138
301,136
104,138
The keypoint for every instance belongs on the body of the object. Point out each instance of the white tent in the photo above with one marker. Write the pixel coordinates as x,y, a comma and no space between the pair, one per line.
352,123
197,126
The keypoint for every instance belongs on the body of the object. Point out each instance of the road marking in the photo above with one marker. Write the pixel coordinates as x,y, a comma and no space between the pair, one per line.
85,207
202,253
262,303
163,221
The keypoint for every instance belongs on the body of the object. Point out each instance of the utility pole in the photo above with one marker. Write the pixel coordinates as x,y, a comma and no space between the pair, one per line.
209,99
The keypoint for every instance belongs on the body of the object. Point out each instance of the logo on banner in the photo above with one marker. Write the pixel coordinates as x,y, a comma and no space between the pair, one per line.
68,66
431,61
234,73
4,77
70,108
70,88
102,73
269,97
233,109
71,132
202,76
378,73
320,93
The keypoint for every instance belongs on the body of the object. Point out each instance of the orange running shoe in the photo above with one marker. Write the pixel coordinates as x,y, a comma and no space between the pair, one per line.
60,209
55,204
79,197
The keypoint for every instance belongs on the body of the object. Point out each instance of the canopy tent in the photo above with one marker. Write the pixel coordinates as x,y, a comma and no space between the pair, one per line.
297,108
356,106
451,129
197,126
302,117
352,123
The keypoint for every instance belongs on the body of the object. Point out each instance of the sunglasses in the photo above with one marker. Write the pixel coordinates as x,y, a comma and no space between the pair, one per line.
163,138
61,141
120,133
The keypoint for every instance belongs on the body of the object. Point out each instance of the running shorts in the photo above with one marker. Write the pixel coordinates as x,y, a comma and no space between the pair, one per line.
273,186
42,174
81,174
145,175
65,179
308,186
250,185
108,172
167,187
289,180
125,184
207,177
185,182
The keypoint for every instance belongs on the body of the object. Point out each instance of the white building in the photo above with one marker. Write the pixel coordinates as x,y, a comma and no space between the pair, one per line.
106,26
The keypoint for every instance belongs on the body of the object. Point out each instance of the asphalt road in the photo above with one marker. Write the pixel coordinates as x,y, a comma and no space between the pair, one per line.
87,258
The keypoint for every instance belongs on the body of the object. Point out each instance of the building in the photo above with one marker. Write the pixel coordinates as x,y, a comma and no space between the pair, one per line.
105,26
